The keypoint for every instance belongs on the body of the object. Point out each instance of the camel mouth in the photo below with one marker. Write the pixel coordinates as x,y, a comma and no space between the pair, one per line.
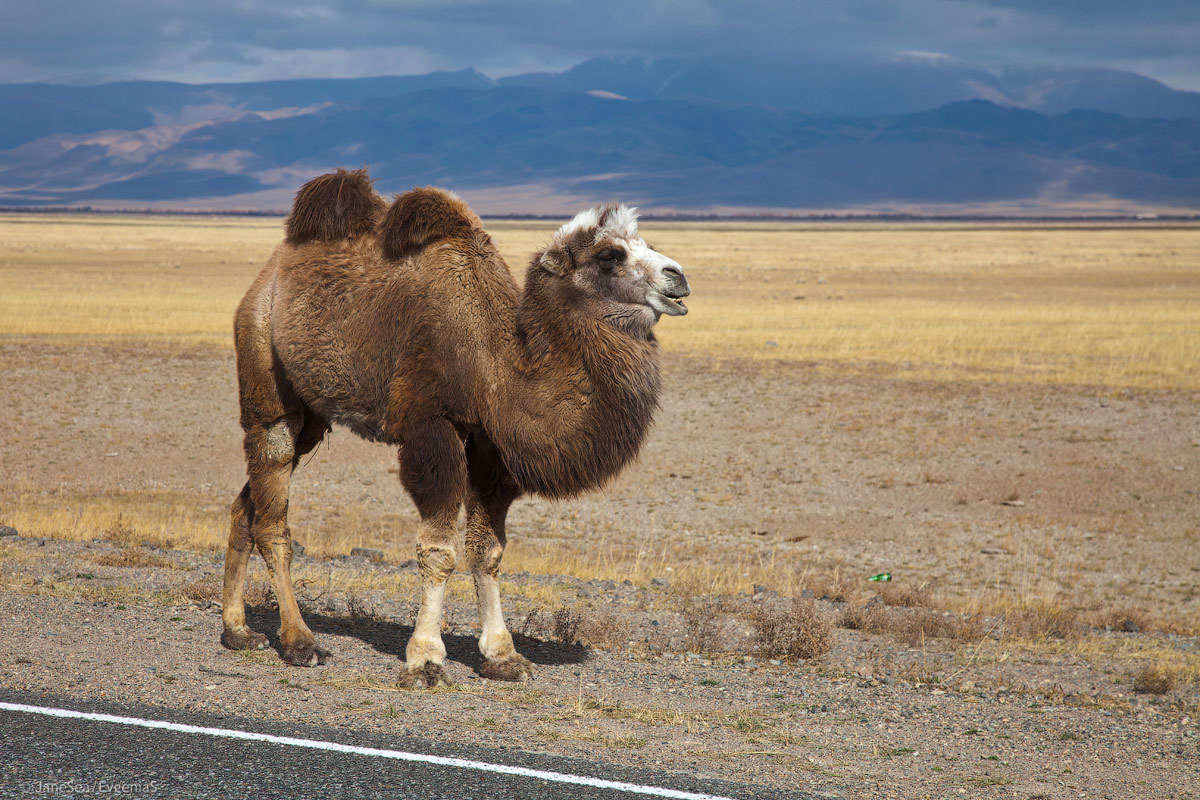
665,304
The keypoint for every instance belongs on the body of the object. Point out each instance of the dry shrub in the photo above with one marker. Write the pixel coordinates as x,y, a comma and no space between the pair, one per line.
357,608
1153,680
908,595
121,531
606,630
564,626
912,626
871,618
1041,621
201,591
209,590
133,557
837,587
703,624
1129,620
560,626
797,629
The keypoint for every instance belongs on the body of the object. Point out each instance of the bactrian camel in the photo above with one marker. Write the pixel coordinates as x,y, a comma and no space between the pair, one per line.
403,323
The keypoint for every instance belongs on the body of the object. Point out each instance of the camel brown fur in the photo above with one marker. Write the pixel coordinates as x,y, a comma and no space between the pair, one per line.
404,324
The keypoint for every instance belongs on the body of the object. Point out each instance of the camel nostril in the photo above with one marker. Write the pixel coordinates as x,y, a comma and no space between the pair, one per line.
674,272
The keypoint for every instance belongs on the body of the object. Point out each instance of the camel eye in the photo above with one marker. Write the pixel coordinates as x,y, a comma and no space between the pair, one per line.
612,255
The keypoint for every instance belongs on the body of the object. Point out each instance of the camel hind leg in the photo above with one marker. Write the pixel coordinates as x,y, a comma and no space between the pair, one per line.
492,491
270,475
236,634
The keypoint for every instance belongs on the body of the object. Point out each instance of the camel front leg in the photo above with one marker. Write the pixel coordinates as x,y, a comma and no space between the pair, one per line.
433,470
426,653
485,548
492,492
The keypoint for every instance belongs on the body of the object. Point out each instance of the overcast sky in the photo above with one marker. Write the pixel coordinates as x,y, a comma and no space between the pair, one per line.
88,41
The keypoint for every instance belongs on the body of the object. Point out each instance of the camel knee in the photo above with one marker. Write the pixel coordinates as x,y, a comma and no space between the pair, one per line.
272,445
274,544
436,561
485,557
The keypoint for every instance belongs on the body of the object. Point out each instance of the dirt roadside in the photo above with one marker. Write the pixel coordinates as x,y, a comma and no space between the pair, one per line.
825,473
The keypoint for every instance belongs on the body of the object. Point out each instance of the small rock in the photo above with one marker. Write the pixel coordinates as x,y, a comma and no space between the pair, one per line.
410,563
993,551
772,343
1129,626
659,582
627,582
369,553
297,549
8,530
775,662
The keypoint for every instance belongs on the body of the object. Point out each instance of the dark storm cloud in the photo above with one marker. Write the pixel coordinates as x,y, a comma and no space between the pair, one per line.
251,39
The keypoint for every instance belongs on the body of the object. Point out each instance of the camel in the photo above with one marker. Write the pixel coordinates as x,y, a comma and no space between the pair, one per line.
403,323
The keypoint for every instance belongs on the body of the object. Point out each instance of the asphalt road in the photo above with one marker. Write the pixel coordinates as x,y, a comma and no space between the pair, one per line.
48,756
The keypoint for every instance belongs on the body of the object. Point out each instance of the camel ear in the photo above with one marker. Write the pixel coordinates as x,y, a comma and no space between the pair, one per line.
557,258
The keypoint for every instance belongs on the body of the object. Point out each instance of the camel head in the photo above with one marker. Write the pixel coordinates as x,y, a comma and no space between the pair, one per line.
599,257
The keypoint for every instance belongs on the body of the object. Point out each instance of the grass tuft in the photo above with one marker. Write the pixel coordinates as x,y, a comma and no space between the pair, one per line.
798,629
1154,679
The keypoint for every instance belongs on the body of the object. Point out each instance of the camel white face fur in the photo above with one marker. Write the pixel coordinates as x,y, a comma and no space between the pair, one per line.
607,258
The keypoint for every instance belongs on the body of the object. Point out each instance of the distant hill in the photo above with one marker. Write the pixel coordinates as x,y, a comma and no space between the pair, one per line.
687,135
871,87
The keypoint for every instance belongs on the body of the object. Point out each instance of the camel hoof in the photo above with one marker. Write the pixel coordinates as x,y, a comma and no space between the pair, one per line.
244,639
429,676
513,667
305,654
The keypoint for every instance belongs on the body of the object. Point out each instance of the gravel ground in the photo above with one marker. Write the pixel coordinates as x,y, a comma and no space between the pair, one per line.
1086,496
857,722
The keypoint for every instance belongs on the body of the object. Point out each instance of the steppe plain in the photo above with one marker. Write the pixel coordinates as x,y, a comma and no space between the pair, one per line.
1003,416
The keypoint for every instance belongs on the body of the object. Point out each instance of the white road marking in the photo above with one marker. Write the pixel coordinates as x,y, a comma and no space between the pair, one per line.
398,755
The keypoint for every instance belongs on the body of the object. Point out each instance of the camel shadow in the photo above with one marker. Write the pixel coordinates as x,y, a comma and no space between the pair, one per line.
390,638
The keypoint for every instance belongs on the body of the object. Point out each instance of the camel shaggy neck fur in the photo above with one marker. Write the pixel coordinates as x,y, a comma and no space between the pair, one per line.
402,322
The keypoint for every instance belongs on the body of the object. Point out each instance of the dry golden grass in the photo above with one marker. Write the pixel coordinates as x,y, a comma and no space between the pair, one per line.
163,519
1090,304
1111,306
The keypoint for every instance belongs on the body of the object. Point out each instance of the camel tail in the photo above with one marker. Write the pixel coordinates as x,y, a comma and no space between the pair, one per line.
424,215
334,206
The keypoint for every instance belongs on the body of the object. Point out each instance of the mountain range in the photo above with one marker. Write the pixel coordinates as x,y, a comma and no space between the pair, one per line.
729,134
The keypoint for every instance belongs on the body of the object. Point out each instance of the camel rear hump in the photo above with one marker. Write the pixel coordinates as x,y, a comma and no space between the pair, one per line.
334,206
424,215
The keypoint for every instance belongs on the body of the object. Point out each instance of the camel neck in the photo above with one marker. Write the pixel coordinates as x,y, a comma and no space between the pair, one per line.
583,393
